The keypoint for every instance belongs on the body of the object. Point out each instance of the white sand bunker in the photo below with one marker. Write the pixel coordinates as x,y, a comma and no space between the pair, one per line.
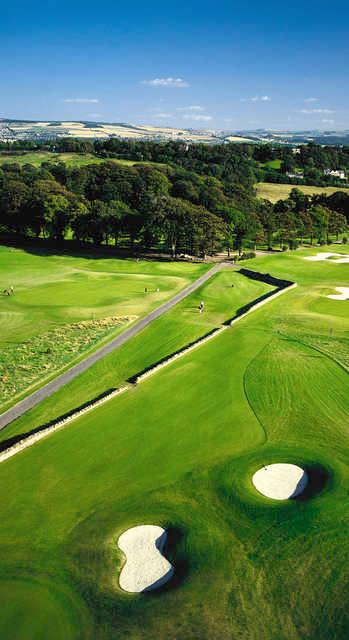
337,258
280,481
342,295
145,568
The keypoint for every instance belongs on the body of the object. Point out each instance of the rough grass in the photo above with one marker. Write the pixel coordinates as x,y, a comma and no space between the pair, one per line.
180,451
275,192
25,364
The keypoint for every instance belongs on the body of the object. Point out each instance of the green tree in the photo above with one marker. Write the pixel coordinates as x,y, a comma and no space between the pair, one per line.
320,220
268,219
57,216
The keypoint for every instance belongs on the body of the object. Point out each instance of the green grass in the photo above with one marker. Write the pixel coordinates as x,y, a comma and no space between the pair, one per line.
275,192
164,336
272,164
53,294
36,158
59,612
179,450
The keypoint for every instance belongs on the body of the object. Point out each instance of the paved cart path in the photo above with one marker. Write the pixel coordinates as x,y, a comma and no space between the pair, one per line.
51,387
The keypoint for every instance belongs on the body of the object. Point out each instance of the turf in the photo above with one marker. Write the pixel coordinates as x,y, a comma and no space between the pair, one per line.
275,192
54,294
179,451
166,335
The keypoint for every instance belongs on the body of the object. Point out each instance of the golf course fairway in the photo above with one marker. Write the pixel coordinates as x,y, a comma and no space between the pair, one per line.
179,450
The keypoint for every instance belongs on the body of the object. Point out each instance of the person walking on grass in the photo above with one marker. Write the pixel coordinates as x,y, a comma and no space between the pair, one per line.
201,306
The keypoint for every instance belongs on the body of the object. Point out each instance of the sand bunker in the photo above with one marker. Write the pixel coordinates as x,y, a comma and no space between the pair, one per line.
338,258
280,481
145,568
342,295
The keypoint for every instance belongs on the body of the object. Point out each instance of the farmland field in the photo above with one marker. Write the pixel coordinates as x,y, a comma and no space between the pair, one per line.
274,192
36,158
179,450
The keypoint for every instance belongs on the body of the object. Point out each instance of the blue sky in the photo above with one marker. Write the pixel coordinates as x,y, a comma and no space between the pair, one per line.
220,65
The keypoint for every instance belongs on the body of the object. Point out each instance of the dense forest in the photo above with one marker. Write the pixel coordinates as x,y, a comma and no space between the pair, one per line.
177,198
306,164
311,164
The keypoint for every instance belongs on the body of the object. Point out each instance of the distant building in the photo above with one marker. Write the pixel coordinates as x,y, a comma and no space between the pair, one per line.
336,174
298,175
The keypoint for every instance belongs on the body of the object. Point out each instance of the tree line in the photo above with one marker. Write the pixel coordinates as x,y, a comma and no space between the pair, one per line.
164,206
249,162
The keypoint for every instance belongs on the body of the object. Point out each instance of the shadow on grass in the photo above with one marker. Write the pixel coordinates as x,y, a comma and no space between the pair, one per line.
243,310
318,478
179,561
87,250
278,283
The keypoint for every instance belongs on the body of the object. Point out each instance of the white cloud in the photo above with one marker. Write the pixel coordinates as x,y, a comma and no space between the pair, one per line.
228,119
327,121
311,99
197,116
261,99
309,111
163,115
81,100
256,99
177,83
193,107
94,115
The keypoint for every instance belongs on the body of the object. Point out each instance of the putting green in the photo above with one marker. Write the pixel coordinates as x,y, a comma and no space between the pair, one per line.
180,450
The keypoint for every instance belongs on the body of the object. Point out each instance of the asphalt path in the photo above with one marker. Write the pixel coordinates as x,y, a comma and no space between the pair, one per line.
51,387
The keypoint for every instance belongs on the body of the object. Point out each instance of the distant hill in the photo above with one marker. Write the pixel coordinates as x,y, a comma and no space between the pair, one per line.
11,130
296,137
28,130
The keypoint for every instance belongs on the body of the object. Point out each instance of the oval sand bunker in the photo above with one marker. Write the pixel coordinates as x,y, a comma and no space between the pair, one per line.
280,481
145,568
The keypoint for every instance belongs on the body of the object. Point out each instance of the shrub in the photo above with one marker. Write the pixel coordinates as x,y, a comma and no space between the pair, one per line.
247,255
293,244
